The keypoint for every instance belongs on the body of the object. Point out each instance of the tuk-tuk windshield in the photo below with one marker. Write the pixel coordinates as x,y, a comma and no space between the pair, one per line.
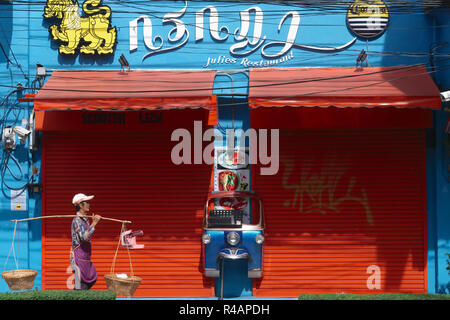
233,213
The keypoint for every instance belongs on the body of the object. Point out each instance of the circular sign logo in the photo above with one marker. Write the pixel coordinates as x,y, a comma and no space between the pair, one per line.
368,18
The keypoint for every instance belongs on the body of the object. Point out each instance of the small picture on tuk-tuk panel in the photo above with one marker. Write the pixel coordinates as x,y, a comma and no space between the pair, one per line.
237,159
228,181
232,180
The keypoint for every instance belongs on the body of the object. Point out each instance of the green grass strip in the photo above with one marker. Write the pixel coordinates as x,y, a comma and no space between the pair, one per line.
393,296
59,295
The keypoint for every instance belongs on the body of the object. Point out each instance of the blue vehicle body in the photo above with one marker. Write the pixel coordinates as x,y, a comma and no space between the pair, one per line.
248,237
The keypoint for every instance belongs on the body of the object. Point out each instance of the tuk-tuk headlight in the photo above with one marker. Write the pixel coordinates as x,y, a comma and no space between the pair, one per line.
233,238
206,238
259,239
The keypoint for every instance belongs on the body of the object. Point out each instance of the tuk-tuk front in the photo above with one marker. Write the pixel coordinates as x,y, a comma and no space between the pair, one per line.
233,228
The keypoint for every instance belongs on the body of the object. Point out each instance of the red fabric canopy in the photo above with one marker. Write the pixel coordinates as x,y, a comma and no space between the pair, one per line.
401,87
114,90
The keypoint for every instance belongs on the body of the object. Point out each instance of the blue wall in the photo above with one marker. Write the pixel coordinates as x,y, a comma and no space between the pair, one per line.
25,38
318,28
439,200
14,69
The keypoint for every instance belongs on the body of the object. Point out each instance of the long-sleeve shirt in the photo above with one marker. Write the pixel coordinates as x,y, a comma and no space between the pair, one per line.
81,231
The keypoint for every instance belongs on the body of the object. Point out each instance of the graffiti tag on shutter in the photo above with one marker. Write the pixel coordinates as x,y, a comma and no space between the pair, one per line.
321,187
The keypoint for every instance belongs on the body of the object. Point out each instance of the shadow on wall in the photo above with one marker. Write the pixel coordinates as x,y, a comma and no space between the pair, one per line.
407,42
6,22
407,39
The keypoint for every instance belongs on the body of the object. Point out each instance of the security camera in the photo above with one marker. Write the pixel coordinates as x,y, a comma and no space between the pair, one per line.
445,96
22,133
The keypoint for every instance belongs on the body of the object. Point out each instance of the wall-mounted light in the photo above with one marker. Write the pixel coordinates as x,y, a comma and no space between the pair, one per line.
124,62
361,58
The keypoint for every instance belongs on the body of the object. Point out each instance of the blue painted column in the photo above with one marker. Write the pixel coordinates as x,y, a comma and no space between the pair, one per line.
17,171
438,161
233,113
16,61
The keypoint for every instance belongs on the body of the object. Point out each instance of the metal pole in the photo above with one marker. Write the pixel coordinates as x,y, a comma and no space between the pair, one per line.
221,280
69,216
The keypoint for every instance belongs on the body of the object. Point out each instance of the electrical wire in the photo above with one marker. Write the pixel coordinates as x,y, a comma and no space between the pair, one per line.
350,87
323,7
294,81
7,156
297,96
348,52
372,53
14,56
319,7
62,77
398,6
5,166
284,3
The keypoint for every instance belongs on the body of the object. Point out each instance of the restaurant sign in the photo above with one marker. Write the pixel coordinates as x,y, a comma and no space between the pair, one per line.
244,42
248,37
247,30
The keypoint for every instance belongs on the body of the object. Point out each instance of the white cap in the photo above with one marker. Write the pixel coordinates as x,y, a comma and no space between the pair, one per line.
79,197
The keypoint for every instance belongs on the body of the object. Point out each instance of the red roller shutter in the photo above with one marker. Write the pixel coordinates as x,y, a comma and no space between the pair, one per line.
132,177
346,212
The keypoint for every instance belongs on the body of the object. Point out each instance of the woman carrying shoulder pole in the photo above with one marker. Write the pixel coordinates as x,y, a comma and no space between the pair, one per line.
80,253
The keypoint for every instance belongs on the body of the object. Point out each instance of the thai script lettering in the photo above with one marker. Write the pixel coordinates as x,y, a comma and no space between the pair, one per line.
91,118
248,37
361,9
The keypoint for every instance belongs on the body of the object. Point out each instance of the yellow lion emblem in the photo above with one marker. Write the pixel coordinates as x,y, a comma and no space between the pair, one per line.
94,30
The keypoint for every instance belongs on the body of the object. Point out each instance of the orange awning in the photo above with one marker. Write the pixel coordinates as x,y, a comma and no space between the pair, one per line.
400,87
132,90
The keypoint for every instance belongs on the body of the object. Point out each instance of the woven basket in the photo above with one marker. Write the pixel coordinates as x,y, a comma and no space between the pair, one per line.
19,279
125,287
